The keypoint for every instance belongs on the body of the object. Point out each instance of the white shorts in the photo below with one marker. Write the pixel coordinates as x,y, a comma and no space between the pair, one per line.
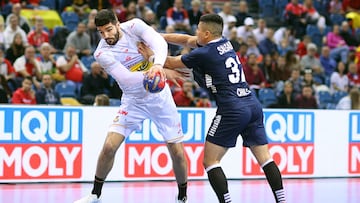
160,108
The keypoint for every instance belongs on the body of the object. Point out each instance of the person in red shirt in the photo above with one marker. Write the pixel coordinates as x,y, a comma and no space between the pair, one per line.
186,97
306,100
295,14
6,68
301,48
353,75
24,94
38,35
70,65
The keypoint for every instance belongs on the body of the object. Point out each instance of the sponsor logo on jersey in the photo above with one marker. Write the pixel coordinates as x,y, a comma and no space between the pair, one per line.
40,143
146,154
141,66
291,143
354,143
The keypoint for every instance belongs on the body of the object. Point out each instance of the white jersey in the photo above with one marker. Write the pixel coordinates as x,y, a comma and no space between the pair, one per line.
123,61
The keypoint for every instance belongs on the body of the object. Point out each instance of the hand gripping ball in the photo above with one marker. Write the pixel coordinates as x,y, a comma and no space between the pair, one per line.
154,85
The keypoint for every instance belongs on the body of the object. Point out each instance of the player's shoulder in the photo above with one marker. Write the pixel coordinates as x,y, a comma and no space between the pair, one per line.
132,23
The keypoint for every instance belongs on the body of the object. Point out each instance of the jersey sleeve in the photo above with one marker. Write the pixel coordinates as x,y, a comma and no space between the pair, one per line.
118,71
190,60
151,38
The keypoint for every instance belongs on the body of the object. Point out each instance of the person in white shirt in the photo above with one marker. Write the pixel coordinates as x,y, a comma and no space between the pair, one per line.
11,30
118,54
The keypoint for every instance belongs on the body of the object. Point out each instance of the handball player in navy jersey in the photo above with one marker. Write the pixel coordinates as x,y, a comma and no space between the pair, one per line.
216,67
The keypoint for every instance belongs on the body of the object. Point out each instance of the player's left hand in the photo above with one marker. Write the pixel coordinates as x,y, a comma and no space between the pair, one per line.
174,76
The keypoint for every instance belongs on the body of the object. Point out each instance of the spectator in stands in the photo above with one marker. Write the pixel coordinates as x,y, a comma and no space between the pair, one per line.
163,7
16,49
242,13
24,94
46,59
261,31
70,65
286,33
287,97
46,94
335,7
150,19
353,75
99,4
226,12
7,71
301,49
252,46
243,32
185,98
242,54
308,78
91,16
351,101
230,27
203,100
338,47
328,63
254,75
128,13
339,80
80,40
173,48
295,79
93,34
97,82
178,17
27,66
38,35
102,100
22,21
2,29
81,7
209,8
295,16
11,30
306,100
267,45
283,47
350,5
141,9
194,14
281,72
5,92
292,60
313,16
348,35
310,61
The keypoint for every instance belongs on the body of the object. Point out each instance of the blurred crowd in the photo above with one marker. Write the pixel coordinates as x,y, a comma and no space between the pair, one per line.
309,59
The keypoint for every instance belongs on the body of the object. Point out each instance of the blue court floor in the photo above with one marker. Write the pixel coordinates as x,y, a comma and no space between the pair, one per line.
340,190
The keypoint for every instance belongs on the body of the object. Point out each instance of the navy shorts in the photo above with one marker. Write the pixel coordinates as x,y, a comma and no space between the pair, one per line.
245,119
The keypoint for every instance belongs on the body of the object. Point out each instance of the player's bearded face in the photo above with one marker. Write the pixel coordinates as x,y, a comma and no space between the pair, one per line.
112,40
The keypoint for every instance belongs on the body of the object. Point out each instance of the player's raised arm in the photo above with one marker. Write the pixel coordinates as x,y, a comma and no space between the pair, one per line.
181,39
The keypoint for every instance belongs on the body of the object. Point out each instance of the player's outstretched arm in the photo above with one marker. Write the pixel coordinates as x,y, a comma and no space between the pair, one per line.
181,39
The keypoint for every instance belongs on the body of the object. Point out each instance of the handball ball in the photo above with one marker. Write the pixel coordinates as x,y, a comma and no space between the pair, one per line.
154,85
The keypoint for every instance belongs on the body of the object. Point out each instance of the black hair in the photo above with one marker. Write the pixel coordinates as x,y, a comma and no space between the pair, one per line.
105,17
215,23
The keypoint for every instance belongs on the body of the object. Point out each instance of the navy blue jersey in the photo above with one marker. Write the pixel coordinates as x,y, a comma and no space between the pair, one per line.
217,68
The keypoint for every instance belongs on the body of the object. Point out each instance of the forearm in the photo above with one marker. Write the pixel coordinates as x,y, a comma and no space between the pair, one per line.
157,44
181,39
173,62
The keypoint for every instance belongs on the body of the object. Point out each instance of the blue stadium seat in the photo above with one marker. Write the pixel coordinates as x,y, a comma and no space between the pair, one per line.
114,102
51,4
66,89
337,19
70,20
338,95
87,61
315,35
325,99
267,97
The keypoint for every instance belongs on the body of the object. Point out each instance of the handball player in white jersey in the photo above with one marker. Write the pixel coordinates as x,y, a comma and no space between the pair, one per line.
118,54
